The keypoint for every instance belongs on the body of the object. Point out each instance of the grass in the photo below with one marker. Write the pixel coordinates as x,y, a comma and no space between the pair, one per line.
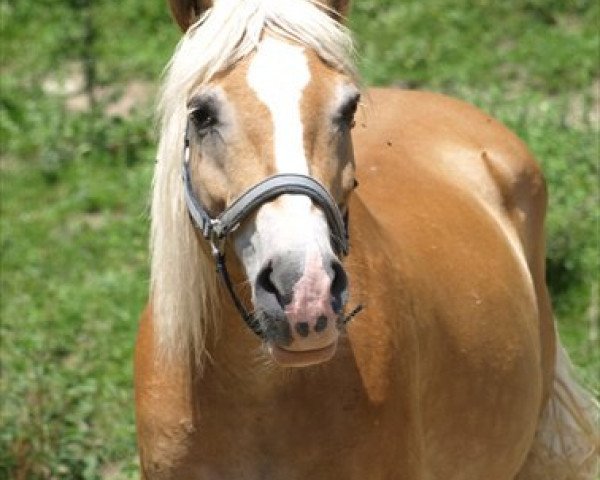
74,278
73,211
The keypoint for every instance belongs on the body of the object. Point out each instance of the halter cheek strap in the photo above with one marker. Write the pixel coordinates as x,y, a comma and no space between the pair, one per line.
215,230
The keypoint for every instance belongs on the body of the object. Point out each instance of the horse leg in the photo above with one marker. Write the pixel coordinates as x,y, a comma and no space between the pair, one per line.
164,415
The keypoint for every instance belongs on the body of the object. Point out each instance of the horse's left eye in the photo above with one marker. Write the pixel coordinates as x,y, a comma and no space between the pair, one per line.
348,110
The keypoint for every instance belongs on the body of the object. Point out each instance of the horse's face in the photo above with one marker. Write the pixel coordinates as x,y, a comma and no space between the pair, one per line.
281,110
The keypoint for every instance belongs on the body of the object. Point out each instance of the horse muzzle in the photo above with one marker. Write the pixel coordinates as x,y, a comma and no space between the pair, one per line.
300,296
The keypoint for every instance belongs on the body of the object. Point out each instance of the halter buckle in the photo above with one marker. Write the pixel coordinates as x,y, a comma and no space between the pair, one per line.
217,242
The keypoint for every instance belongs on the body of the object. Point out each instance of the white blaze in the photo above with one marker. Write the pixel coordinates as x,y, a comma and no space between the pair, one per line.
278,74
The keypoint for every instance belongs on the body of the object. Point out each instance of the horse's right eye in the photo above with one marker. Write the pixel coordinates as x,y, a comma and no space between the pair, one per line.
204,117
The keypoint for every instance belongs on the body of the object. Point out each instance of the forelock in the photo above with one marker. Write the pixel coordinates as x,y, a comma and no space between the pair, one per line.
232,29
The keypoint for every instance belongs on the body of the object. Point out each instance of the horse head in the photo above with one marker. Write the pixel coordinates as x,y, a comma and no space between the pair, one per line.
284,106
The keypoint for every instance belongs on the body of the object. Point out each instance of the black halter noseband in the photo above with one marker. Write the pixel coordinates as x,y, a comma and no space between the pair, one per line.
215,230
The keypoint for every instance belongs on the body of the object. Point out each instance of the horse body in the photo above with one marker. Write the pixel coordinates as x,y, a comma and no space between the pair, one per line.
451,306
451,365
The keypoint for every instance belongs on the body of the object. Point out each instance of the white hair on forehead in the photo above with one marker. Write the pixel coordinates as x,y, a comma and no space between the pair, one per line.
232,29
183,281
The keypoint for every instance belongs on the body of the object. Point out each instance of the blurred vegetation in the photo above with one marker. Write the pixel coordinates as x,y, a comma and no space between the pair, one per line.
74,183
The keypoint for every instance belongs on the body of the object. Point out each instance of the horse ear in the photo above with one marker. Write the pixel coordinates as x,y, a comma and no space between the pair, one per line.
186,12
340,6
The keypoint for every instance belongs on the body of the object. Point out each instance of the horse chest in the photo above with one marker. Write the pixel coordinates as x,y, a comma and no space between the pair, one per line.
299,430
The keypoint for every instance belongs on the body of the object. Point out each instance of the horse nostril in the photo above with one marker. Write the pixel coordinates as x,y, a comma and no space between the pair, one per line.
268,282
264,279
302,328
321,324
339,286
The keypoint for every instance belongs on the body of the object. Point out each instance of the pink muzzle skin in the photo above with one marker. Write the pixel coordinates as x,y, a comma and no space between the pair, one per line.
310,313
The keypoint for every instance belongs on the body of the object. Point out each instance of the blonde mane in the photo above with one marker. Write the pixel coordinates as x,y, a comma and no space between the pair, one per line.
183,284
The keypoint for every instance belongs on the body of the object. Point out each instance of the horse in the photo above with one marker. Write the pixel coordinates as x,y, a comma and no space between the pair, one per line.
346,283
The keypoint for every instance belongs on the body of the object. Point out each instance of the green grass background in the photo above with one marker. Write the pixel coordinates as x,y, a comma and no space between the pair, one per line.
74,192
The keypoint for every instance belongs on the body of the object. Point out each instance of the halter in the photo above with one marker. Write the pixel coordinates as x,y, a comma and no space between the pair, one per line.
215,230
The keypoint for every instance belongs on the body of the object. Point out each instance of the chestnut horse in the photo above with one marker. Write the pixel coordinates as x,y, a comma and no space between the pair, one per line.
263,254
